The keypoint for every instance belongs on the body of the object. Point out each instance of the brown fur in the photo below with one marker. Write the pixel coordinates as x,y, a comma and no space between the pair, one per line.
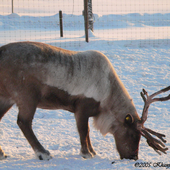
36,75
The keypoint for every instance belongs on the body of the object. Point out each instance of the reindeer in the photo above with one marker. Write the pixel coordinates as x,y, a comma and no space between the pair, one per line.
36,75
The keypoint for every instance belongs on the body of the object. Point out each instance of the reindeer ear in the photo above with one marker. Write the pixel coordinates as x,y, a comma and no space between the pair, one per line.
129,119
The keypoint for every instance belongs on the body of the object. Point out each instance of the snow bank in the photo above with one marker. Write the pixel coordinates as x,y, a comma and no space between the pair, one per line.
76,22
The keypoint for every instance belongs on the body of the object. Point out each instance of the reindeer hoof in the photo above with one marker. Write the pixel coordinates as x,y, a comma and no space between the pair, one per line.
44,156
86,155
2,154
3,157
93,153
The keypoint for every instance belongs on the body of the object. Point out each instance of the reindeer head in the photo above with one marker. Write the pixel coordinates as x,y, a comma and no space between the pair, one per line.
127,136
156,144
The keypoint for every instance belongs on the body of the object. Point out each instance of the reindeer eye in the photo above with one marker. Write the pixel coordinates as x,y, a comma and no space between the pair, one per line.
129,119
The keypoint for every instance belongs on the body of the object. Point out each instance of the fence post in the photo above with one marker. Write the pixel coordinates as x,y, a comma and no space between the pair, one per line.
86,24
12,6
90,15
61,23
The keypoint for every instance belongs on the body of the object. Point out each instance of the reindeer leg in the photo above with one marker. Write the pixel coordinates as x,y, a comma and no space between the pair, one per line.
25,117
83,129
90,145
5,105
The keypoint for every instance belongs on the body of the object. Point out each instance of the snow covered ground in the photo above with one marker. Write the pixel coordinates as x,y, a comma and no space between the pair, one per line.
138,45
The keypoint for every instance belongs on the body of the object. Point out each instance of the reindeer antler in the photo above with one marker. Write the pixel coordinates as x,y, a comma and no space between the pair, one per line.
156,144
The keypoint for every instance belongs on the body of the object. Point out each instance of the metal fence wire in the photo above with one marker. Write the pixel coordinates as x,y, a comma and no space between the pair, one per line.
38,20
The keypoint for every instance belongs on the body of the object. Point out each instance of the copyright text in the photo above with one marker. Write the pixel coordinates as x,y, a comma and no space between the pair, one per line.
150,164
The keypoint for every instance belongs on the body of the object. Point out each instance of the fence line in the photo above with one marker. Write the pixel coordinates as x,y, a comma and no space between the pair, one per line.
38,20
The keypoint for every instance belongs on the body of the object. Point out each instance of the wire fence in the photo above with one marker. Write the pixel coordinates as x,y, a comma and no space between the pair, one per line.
38,20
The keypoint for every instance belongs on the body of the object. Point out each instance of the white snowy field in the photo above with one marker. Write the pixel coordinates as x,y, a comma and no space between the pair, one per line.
138,46
113,27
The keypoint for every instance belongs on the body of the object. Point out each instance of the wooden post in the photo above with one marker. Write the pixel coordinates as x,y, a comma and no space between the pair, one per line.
12,6
86,23
90,15
61,23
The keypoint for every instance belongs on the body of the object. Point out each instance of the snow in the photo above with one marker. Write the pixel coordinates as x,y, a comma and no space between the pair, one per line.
137,44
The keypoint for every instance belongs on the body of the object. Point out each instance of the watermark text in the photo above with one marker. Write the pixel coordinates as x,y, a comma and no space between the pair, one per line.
152,164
